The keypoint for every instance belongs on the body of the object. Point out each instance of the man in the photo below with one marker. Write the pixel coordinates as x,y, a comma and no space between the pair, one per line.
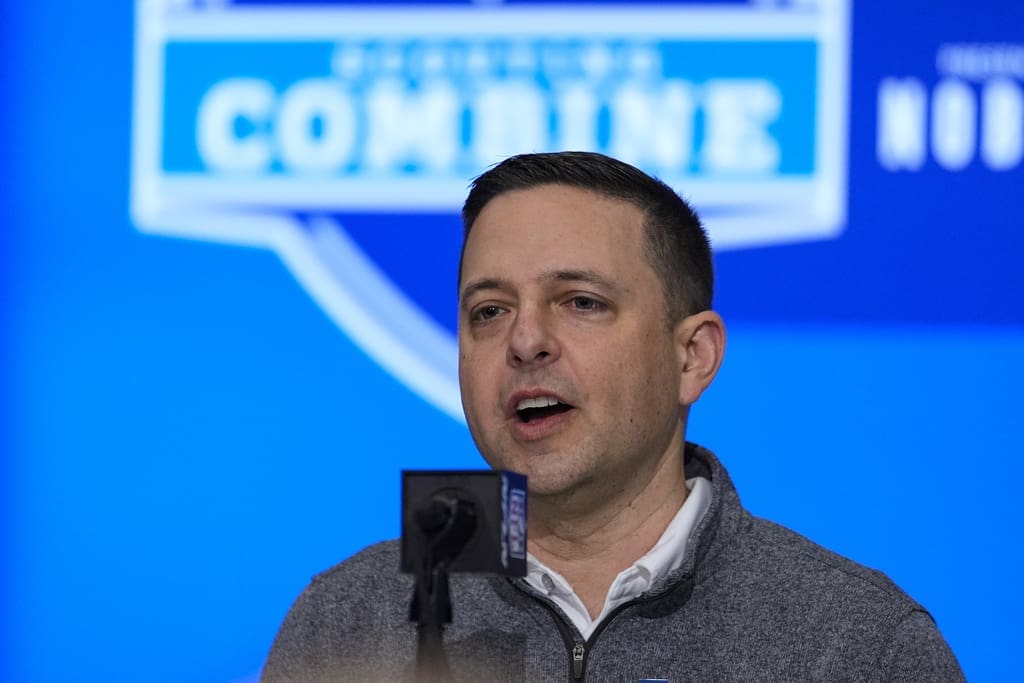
585,335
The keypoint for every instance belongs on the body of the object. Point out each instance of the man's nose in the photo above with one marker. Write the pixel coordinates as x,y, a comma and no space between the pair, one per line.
532,341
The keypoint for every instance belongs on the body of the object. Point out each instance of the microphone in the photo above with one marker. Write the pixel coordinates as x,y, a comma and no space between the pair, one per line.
471,521
456,521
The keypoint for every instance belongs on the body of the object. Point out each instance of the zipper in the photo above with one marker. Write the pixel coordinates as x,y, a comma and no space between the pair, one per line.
578,651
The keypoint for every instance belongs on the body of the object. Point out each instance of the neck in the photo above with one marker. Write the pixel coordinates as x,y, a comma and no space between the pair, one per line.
590,547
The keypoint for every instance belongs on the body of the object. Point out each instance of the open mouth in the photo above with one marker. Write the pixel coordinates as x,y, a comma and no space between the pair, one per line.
530,409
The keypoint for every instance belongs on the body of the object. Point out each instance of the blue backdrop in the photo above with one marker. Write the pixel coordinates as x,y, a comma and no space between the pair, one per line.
188,435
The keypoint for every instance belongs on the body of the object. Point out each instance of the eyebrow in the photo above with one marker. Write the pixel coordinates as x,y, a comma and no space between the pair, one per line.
570,275
483,285
589,276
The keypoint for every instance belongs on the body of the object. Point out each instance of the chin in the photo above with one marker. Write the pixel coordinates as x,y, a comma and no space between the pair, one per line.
545,470
553,484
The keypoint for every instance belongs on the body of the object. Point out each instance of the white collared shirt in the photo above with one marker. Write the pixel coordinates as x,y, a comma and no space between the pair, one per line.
666,555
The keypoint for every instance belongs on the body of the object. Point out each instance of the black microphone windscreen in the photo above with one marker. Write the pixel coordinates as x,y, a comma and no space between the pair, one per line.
498,500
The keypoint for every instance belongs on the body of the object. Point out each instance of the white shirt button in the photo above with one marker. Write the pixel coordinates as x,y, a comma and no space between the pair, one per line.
549,584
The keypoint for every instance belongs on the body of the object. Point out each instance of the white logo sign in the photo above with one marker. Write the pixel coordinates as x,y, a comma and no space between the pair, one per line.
975,110
258,124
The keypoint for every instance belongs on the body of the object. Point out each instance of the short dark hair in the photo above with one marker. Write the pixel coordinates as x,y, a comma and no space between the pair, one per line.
676,243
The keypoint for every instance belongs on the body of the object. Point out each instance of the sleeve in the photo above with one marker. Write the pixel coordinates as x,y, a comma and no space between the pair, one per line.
918,652
345,626
301,650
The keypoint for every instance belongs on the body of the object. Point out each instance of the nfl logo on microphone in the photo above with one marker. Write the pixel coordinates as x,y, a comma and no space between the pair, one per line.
517,524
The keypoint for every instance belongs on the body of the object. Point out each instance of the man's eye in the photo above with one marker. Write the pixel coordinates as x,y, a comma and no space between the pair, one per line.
487,312
585,303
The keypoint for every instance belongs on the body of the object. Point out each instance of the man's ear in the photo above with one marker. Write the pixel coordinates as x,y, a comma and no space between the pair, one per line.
700,341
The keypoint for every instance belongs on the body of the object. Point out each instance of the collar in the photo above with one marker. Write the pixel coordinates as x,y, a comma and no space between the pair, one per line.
665,557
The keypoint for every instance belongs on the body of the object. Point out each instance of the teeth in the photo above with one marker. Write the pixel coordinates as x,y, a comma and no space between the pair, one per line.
539,402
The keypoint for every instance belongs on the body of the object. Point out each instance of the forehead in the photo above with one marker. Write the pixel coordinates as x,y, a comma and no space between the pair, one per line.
551,227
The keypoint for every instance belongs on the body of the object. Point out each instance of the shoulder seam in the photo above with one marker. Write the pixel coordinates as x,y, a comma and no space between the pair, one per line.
825,557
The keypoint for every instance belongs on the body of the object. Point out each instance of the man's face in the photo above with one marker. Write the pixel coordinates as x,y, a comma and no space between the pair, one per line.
559,305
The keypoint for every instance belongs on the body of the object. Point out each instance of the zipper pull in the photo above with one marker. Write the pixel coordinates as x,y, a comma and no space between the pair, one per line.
577,661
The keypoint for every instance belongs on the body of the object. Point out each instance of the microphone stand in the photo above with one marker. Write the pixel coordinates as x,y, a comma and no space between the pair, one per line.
447,523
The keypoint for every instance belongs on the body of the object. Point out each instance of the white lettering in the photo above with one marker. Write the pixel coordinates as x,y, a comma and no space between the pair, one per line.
652,125
901,124
508,118
329,125
406,126
310,104
953,121
973,61
228,104
577,108
737,114
1002,129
